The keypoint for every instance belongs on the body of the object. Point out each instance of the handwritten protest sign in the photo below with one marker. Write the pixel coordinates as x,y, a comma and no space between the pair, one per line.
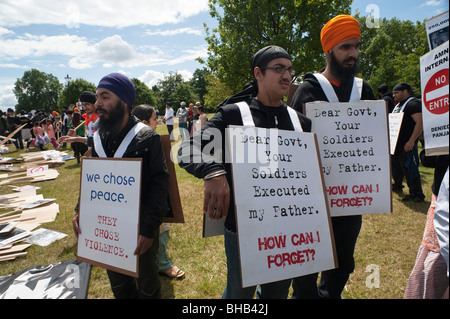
434,78
354,148
395,124
283,223
109,213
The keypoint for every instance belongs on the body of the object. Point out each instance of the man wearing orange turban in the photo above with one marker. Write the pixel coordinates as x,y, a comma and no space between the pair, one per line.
339,29
341,40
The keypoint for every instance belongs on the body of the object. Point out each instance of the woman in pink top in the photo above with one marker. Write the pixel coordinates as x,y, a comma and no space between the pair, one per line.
50,132
38,137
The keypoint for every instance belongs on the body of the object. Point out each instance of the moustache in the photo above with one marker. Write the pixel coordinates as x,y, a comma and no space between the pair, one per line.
100,110
351,60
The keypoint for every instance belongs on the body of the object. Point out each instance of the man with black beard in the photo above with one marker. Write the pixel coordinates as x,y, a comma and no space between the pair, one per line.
122,135
341,41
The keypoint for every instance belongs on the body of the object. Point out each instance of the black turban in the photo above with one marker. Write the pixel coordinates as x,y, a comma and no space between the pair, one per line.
259,59
267,54
87,97
402,86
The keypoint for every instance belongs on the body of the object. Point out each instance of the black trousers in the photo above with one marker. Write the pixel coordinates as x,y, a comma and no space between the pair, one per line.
406,165
332,282
147,285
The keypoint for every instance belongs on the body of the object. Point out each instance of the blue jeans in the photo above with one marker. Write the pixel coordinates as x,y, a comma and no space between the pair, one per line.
183,130
234,290
164,261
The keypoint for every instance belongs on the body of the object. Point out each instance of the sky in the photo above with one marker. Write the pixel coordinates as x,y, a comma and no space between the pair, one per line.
144,39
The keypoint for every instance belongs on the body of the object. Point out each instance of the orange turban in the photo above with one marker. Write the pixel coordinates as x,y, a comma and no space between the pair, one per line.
339,29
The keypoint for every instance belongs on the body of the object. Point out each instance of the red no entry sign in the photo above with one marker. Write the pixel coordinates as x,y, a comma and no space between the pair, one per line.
436,92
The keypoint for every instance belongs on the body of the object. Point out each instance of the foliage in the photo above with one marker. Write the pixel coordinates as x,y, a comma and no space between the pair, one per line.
244,27
217,91
143,93
199,83
37,90
71,92
391,53
175,90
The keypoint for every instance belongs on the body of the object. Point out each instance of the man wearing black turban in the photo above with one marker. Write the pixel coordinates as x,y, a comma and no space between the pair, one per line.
263,106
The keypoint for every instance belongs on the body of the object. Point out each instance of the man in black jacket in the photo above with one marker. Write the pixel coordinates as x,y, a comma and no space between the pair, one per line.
272,70
341,40
115,98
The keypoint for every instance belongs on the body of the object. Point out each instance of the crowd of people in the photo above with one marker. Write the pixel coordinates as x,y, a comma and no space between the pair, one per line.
37,129
261,105
190,120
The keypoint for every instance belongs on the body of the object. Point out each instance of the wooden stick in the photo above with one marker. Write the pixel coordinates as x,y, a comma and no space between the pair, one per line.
12,134
79,126
11,139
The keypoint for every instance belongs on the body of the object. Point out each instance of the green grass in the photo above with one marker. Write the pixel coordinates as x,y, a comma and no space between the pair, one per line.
390,241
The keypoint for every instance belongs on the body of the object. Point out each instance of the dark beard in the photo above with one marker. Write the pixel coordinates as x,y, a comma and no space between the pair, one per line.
341,72
112,123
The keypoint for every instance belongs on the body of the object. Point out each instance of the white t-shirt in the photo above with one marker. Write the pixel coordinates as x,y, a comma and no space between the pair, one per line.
169,113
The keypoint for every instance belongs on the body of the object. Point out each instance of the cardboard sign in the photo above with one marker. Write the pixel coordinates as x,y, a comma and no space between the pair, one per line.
109,213
354,149
283,223
434,78
437,30
175,212
395,123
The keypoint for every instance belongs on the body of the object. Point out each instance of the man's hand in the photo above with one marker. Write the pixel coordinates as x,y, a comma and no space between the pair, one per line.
143,244
408,146
216,197
75,225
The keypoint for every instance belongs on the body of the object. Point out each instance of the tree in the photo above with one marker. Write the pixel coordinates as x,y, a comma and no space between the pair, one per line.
198,83
71,92
183,92
217,91
165,88
143,93
37,90
391,53
247,26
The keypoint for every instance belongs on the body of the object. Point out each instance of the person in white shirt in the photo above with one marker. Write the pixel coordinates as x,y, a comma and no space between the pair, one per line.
168,119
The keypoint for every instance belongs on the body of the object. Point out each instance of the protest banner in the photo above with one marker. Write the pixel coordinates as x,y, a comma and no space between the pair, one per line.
437,30
354,149
283,222
109,213
434,78
395,124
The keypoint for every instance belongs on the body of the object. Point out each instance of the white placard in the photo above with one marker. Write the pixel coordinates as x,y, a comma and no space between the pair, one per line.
283,223
434,78
37,170
354,149
395,123
437,30
109,213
